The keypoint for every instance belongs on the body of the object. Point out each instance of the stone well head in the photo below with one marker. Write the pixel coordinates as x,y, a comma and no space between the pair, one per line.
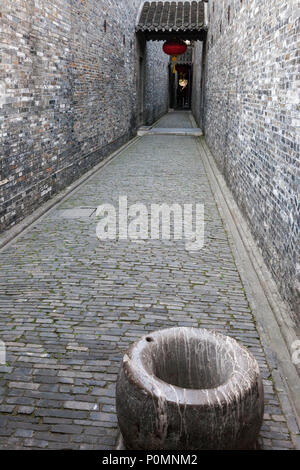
189,389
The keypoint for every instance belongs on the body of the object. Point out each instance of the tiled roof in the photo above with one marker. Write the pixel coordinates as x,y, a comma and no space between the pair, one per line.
171,16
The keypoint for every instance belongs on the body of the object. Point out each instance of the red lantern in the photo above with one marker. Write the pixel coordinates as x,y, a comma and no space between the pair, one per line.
174,48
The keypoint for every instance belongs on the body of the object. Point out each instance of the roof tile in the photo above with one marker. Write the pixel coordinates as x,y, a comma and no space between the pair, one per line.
171,16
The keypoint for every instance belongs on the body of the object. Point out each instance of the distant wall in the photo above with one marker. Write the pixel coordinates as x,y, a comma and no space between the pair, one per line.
157,82
198,84
68,93
251,121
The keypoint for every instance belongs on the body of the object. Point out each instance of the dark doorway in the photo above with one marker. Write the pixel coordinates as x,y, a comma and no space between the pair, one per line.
184,86
181,86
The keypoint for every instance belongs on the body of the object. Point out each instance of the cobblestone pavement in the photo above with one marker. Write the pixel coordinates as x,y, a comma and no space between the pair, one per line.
71,305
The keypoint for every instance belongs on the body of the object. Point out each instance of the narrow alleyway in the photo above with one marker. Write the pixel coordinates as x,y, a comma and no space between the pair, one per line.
71,305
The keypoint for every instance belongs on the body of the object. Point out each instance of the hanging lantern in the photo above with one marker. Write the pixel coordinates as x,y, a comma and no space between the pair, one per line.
174,48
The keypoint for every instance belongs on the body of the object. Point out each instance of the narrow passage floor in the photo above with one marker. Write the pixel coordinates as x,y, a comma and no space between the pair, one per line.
72,304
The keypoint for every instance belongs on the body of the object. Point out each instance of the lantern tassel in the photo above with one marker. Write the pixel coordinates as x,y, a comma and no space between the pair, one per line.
174,63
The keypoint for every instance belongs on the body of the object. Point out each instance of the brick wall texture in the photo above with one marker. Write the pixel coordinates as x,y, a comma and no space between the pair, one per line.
251,122
68,93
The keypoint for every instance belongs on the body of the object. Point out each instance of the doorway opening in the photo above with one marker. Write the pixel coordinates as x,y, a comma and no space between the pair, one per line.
180,90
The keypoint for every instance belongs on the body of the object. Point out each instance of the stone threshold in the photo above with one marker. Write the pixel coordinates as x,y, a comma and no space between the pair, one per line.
192,132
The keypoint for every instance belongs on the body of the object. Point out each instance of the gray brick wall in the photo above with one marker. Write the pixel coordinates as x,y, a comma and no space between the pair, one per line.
157,82
251,122
68,93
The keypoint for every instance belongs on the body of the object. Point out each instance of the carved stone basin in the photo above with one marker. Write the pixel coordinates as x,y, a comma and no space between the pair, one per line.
189,389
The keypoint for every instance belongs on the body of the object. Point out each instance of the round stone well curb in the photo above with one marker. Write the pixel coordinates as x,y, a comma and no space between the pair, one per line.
189,389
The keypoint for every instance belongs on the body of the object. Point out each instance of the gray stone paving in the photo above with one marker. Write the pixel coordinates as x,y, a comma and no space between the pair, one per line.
184,131
71,305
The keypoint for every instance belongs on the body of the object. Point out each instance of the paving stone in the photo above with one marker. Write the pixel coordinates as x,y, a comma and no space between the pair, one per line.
25,410
24,433
66,429
77,405
35,444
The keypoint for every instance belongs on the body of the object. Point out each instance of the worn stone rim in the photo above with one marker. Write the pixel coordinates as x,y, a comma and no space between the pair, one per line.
239,383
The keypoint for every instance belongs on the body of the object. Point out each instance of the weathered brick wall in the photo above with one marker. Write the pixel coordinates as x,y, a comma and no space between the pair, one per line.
198,84
67,93
251,122
157,82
